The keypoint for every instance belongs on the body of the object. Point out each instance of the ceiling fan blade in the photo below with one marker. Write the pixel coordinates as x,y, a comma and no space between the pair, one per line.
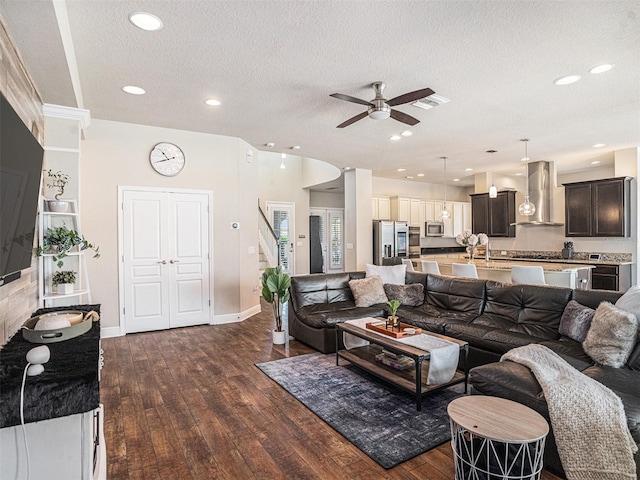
351,99
353,120
410,97
403,117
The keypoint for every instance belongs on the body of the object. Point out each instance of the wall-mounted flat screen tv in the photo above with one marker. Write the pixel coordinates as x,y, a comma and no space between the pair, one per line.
21,159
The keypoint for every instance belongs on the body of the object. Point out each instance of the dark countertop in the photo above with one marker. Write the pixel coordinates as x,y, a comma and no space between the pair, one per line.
68,385
560,260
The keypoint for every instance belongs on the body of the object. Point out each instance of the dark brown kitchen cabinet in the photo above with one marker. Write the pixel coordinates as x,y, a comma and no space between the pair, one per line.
611,277
599,208
494,216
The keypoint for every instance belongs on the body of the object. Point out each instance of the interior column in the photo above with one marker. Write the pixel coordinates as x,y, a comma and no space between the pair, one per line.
358,190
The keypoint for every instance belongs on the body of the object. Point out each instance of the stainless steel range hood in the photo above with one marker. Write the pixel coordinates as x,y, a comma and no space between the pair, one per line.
542,181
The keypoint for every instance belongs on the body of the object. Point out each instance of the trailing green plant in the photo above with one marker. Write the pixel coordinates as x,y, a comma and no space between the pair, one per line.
58,180
393,306
63,276
59,240
275,290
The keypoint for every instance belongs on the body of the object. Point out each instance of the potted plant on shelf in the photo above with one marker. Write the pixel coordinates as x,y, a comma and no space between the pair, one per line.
57,181
393,306
471,241
63,281
60,240
275,290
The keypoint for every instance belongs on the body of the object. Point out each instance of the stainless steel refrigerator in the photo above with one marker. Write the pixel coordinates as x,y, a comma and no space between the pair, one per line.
390,242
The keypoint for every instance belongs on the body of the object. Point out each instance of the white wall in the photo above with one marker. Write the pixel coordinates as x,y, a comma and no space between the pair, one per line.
116,153
387,187
285,185
326,199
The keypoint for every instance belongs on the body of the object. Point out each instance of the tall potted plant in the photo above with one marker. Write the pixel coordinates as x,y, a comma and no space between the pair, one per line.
275,290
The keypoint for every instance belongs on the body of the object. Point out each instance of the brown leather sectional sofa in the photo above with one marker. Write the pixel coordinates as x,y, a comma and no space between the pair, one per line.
491,316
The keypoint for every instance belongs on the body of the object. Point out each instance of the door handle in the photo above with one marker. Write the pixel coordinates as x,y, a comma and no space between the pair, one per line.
163,262
174,261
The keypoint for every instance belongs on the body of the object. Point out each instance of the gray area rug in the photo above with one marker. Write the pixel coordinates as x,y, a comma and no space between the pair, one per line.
378,418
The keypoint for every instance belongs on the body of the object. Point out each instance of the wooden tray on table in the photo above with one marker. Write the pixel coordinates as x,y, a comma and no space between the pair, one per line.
396,332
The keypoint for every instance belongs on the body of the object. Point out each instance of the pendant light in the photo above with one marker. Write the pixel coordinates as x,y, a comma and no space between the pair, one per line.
445,213
282,157
493,191
527,208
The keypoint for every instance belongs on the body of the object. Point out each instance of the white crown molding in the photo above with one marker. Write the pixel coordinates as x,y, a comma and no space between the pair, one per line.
59,111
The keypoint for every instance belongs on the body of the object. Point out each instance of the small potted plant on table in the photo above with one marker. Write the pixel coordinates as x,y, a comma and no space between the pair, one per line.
275,290
393,306
63,281
57,181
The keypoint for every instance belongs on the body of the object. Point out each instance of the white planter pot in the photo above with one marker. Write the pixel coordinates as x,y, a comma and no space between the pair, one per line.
58,206
279,337
65,288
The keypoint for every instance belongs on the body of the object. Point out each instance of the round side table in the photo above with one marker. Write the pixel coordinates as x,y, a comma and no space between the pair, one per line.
496,439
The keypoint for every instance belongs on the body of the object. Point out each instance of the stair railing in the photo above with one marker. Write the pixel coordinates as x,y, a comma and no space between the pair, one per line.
268,240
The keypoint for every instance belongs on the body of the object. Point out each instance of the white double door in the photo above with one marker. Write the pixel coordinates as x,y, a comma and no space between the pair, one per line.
165,259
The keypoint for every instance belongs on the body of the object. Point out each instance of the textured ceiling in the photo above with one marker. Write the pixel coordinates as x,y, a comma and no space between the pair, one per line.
273,64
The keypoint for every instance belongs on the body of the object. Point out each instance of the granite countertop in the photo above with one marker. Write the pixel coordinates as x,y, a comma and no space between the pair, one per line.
561,260
506,264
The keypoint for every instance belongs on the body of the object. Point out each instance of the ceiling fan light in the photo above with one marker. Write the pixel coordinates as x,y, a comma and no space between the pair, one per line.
493,192
379,114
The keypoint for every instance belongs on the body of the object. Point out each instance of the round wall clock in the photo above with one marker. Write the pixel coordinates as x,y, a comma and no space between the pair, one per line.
167,159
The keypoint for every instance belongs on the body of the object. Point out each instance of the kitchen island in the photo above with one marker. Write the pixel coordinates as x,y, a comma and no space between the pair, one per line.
572,275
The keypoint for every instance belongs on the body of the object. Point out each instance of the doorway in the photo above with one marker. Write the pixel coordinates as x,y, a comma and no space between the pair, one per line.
165,259
331,237
282,218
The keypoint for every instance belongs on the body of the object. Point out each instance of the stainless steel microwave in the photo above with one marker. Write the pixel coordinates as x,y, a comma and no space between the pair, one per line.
434,229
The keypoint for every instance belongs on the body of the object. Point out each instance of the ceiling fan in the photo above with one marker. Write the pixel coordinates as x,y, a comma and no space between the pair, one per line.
380,108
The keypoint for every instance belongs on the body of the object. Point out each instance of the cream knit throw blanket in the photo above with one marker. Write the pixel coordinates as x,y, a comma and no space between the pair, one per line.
588,419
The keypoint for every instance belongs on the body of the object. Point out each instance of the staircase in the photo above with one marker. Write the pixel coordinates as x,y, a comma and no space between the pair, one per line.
267,244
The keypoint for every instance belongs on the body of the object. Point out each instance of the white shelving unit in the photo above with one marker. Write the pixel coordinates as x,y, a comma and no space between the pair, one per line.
75,260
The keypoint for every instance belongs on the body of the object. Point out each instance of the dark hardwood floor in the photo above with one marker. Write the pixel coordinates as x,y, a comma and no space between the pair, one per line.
190,404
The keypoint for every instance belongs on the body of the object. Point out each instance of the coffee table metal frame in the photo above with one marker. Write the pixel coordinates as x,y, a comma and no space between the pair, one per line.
412,380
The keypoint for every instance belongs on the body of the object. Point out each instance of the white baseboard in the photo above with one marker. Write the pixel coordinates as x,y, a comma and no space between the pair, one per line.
235,317
108,332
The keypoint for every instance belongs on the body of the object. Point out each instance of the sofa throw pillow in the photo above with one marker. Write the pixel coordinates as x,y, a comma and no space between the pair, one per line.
410,295
389,273
575,321
368,291
630,301
612,335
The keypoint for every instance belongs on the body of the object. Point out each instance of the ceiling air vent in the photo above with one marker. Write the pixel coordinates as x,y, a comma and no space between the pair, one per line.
430,101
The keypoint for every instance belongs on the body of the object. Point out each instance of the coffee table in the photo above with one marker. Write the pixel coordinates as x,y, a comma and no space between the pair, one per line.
414,380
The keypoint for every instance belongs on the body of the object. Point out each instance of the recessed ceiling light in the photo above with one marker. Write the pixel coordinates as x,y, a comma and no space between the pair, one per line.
421,174
409,177
605,67
567,79
456,179
402,169
525,159
595,162
598,145
133,90
295,147
519,174
145,21
270,145
407,133
212,102
347,168
395,137
468,169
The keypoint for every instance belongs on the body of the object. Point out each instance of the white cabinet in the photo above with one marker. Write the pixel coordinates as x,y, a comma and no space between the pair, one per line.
466,216
70,448
380,208
400,209
414,212
421,217
458,218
